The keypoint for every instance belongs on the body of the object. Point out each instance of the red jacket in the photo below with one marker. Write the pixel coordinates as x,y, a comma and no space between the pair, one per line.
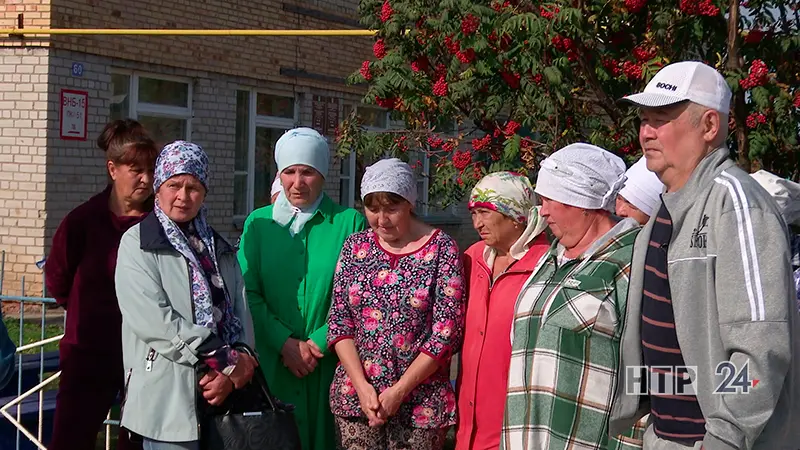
486,353
80,276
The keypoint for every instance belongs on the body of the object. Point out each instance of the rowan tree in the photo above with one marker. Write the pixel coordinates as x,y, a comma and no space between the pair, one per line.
524,78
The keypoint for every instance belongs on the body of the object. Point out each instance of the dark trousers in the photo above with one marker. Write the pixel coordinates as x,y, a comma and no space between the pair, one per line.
88,386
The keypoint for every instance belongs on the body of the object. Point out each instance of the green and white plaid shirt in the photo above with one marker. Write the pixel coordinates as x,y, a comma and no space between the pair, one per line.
565,349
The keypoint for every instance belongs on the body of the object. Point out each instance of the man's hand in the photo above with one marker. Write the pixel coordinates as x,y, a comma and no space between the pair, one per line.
243,371
216,387
297,357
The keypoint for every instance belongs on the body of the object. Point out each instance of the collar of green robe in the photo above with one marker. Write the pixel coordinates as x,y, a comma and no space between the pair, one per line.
326,209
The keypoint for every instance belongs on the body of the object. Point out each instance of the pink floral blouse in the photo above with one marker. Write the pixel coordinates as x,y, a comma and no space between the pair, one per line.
394,307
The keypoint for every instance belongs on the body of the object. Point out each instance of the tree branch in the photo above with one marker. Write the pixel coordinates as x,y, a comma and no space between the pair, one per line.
739,106
607,103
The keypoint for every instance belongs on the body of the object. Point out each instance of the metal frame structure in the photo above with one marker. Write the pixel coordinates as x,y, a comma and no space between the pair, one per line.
44,301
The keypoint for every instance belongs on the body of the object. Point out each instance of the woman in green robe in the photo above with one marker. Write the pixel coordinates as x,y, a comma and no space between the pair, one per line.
288,253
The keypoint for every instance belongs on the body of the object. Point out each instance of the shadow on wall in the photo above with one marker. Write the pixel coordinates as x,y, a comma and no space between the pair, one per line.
78,89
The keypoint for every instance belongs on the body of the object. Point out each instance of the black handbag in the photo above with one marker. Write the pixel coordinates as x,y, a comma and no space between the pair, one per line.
250,419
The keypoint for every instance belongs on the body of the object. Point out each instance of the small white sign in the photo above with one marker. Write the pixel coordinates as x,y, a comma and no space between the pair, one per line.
74,114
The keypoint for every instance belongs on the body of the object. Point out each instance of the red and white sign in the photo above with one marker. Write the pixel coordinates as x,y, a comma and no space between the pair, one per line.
74,114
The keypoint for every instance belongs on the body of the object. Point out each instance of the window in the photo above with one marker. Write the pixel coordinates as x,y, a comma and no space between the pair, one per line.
352,169
261,119
162,104
421,163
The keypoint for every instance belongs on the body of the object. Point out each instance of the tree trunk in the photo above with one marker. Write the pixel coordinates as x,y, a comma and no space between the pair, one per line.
739,108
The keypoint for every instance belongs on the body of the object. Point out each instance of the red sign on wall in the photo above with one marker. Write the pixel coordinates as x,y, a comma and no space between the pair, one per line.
74,114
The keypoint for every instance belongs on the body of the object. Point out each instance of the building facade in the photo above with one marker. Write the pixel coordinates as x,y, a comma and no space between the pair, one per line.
233,95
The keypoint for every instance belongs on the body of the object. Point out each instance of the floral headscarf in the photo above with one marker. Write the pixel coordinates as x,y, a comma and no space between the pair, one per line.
508,193
179,158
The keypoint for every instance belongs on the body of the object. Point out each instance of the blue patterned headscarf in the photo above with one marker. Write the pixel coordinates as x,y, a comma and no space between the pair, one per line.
185,158
180,158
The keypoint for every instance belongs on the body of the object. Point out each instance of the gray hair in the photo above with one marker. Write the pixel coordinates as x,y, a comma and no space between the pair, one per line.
696,112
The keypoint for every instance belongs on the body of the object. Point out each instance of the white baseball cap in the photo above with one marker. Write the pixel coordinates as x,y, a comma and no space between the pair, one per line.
682,81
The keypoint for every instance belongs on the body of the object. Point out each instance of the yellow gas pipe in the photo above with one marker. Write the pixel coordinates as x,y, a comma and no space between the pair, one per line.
177,32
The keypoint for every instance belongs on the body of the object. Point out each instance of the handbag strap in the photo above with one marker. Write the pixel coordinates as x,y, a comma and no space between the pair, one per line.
258,376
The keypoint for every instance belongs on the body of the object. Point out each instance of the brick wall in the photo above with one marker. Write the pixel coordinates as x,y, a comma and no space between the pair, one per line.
23,147
76,169
43,177
252,57
36,14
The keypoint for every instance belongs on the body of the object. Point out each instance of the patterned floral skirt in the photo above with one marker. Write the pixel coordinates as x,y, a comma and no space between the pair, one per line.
356,434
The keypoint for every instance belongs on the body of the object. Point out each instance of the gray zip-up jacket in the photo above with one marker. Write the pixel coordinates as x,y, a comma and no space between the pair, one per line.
731,283
160,340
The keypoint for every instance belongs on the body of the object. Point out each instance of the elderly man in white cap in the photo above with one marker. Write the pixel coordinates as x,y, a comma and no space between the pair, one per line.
570,313
641,195
712,304
288,254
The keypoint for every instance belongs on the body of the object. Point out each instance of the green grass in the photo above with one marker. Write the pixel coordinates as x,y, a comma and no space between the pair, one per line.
32,332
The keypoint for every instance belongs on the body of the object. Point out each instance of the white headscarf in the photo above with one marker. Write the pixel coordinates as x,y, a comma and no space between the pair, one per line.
642,188
785,192
390,175
582,175
276,185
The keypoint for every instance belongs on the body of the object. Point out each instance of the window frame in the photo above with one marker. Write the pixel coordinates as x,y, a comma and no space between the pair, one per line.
136,108
352,157
255,121
424,210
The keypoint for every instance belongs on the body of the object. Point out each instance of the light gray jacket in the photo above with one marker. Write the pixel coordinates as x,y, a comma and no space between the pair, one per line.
733,299
153,288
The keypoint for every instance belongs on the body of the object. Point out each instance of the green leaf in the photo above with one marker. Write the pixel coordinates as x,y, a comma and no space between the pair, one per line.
493,105
760,96
478,92
482,68
553,75
520,22
697,29
511,148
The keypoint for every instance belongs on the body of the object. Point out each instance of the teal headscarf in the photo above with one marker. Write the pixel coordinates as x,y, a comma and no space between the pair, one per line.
299,146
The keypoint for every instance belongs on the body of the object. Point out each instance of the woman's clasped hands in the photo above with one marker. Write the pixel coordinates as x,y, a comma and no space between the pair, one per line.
300,357
379,408
217,386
